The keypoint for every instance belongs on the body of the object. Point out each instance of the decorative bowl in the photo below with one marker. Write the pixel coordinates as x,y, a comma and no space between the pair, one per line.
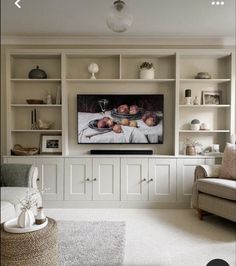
34,101
203,75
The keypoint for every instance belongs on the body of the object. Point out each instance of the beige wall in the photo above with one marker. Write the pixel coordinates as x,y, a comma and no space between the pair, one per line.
72,142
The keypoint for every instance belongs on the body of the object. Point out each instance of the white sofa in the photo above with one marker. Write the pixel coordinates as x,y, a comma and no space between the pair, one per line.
11,196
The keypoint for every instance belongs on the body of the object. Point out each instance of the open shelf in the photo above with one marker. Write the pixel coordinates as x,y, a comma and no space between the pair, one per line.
35,80
120,80
204,80
37,105
204,131
205,106
35,130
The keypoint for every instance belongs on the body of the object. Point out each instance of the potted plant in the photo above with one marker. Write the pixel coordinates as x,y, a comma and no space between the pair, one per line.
191,146
147,71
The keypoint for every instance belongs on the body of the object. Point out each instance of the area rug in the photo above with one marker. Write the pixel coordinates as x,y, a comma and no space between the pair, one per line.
91,243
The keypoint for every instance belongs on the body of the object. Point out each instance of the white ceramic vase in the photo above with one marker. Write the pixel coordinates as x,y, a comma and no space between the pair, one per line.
147,73
25,219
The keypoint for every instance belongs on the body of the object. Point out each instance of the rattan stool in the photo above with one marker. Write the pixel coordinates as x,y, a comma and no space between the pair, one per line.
37,248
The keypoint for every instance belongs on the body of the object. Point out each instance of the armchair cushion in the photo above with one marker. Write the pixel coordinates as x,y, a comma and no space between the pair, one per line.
228,169
18,175
223,188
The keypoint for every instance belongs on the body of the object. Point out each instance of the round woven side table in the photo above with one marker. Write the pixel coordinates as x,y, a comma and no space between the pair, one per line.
37,248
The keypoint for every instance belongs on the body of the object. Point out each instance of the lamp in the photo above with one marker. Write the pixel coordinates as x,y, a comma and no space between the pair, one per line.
119,18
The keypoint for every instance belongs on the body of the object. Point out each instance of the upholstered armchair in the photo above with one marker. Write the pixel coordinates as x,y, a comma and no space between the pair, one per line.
16,181
214,189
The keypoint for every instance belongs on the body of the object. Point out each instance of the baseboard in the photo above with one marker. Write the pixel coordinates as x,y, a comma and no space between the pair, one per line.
116,204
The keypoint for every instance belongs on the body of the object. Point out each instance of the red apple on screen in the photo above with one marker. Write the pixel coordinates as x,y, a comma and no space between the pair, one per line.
123,109
133,110
101,124
125,122
117,129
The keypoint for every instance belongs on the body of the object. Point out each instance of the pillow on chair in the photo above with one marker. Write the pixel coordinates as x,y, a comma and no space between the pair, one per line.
228,169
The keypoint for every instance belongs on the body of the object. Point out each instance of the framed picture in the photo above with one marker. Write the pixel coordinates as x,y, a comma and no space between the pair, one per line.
51,144
211,97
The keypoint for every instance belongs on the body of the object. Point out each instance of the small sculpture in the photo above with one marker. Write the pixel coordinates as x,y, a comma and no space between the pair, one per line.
195,124
93,68
37,73
196,101
44,125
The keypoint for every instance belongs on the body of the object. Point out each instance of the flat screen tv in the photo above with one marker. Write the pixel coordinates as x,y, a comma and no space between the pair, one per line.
120,119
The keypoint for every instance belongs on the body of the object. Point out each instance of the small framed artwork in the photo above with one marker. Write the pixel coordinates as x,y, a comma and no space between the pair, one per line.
51,144
211,97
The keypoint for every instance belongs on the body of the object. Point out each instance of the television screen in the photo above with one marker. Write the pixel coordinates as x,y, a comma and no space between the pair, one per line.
120,119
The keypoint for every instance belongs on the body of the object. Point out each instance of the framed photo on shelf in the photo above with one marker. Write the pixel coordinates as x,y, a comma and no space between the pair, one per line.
211,97
51,144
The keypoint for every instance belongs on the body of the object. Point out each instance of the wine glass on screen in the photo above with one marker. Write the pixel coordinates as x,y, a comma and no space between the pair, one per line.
103,105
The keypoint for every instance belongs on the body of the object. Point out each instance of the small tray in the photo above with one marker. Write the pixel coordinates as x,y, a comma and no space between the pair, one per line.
11,227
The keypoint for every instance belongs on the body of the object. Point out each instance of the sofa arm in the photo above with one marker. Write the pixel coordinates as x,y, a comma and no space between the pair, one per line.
33,177
207,171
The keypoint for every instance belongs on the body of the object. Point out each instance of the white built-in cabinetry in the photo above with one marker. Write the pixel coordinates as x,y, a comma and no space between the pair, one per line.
75,177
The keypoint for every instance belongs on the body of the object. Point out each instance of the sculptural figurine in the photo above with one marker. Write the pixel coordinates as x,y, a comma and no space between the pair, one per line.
93,68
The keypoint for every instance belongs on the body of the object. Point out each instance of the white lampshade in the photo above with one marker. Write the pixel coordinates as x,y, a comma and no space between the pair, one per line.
119,18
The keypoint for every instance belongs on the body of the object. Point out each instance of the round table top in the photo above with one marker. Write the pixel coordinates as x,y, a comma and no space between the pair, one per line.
46,231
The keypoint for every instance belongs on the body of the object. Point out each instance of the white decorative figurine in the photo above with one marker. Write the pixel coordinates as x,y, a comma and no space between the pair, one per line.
93,68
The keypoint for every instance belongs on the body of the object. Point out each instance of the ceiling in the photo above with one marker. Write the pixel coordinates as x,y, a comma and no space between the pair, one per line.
87,18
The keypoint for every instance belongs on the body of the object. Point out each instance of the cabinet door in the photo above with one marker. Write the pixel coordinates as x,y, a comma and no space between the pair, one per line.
78,179
106,179
134,177
51,177
185,177
162,180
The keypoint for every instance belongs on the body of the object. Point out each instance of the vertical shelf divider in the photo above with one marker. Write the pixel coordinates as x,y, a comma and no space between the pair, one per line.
177,85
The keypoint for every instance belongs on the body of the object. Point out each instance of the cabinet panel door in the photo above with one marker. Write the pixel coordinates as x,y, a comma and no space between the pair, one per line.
162,180
106,179
185,177
51,177
78,179
134,177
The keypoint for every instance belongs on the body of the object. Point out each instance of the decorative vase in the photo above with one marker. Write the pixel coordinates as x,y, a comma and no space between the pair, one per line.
196,101
191,150
40,218
25,219
37,73
147,73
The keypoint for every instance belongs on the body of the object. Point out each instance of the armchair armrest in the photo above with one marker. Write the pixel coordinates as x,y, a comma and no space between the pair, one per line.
33,177
207,171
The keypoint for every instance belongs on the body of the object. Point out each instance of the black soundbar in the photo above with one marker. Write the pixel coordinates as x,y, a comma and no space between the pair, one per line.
122,152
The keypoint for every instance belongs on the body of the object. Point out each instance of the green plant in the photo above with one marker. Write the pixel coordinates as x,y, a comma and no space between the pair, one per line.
146,65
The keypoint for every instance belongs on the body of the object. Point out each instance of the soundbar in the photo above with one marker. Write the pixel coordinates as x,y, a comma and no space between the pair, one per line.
122,152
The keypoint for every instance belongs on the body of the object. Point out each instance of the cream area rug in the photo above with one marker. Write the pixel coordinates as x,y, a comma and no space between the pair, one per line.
91,243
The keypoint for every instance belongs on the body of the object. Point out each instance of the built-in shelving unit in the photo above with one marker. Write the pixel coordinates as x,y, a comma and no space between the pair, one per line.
175,71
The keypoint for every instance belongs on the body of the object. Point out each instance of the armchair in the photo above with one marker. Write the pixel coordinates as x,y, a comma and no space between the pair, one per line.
16,180
214,194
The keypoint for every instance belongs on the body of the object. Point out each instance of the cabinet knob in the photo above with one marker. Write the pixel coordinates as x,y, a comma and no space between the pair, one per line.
150,180
143,180
37,180
87,179
94,179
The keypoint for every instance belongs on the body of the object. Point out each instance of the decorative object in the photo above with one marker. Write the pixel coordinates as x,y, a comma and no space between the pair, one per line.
26,217
12,227
19,150
211,97
195,124
196,101
40,218
35,248
49,99
204,126
93,69
37,73
34,101
51,144
33,119
191,146
119,18
188,98
44,125
58,97
106,248
215,148
147,71
103,105
203,75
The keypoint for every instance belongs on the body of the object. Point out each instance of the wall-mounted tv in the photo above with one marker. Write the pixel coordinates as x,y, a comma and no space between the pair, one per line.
119,119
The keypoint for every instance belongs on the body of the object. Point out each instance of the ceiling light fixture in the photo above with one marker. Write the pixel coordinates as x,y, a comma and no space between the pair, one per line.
119,18
217,3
